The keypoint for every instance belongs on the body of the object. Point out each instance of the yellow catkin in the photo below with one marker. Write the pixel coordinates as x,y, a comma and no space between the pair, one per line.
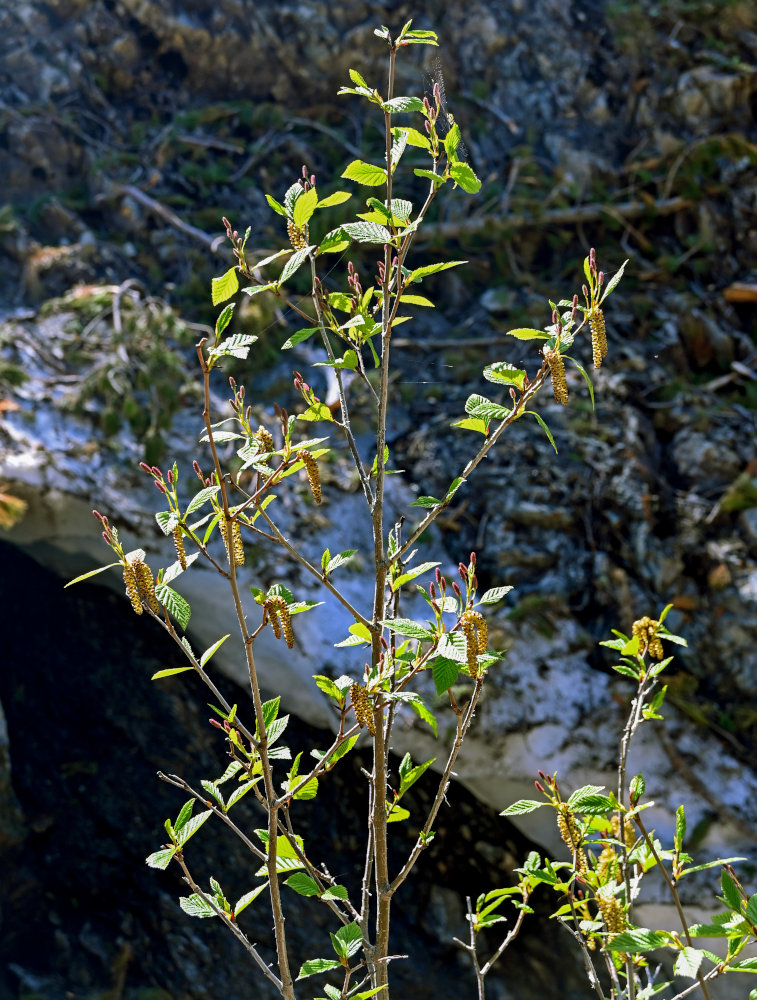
613,914
598,337
646,630
473,625
146,584
264,440
557,370
607,865
311,468
280,619
361,702
238,545
571,835
236,541
273,618
178,541
629,833
298,237
132,590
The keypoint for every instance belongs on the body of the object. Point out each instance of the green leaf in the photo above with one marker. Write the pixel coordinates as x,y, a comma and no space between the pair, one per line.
357,78
473,424
524,333
278,208
417,300
743,965
444,671
317,411
237,346
271,710
347,940
339,560
212,789
594,805
411,574
201,498
522,807
225,286
505,374
586,378
92,572
680,828
304,207
483,408
614,280
315,965
302,884
175,604
161,859
582,793
224,318
169,672
293,264
257,289
688,962
337,198
464,177
244,901
405,626
494,595
192,825
544,427
412,774
422,272
367,232
196,906
436,179
730,891
751,910
396,814
334,242
415,138
638,941
428,502
239,793
365,173
398,105
299,337
212,649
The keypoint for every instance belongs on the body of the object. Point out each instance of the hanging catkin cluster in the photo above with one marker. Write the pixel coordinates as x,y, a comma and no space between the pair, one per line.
361,702
557,371
236,540
278,615
311,468
607,865
612,912
571,834
140,586
178,541
629,834
132,591
473,625
646,631
298,237
598,337
264,440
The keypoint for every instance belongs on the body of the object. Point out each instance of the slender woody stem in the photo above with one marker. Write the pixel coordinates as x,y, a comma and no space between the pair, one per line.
287,987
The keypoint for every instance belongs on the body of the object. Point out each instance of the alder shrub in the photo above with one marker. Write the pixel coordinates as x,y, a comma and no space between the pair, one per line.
609,849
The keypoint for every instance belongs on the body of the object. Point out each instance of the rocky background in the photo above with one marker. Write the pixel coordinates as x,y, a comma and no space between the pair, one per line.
127,129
